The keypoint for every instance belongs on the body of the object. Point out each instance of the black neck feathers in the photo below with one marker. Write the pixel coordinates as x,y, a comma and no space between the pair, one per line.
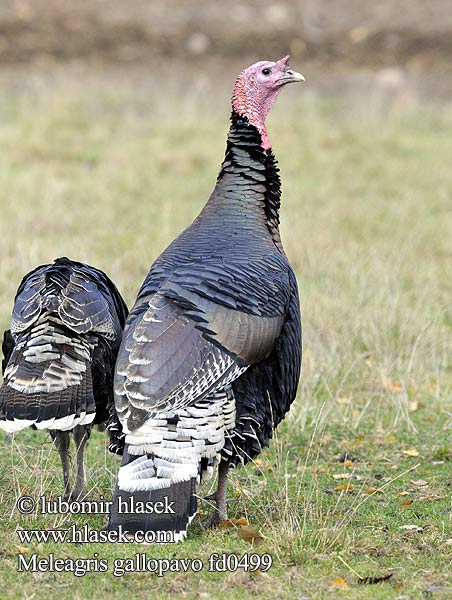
248,167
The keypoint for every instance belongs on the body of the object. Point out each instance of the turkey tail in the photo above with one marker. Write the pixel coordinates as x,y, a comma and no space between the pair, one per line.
48,380
169,510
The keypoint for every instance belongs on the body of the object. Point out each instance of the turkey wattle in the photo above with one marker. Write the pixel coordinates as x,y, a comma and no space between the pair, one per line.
59,358
211,353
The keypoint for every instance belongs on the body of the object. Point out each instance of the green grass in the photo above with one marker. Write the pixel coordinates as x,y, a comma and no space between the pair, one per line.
107,177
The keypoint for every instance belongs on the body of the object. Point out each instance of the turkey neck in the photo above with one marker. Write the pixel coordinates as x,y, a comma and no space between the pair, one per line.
248,187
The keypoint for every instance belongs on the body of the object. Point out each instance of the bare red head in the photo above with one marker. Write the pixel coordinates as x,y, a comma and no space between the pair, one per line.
257,87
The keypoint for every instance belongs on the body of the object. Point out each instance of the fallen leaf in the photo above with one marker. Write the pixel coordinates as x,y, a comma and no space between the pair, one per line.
420,482
339,582
389,385
249,534
345,487
411,452
229,523
403,493
406,503
412,405
22,549
348,463
371,490
226,523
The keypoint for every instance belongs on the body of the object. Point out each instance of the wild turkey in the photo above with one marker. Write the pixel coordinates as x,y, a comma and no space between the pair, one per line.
211,353
59,358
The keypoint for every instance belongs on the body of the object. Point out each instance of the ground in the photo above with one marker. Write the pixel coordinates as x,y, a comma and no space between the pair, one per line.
339,34
356,484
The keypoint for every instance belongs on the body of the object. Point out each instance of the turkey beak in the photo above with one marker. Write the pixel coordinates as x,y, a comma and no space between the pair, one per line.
290,77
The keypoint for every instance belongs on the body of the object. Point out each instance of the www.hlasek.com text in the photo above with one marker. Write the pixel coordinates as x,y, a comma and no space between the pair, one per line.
86,535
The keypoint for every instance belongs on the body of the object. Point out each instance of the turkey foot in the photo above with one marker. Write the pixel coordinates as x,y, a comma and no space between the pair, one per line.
220,513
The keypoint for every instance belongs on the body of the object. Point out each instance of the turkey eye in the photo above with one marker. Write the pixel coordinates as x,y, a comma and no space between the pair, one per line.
266,71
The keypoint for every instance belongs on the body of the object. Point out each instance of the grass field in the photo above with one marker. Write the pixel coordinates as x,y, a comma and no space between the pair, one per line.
107,177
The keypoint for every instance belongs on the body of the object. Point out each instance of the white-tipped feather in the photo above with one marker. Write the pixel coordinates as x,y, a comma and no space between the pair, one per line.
177,449
63,424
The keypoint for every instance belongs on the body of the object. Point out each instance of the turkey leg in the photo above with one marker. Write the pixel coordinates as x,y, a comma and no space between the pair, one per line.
62,440
220,513
81,434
